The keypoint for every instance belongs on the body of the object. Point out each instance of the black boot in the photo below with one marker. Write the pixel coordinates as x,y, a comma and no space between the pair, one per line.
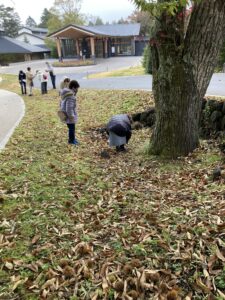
120,148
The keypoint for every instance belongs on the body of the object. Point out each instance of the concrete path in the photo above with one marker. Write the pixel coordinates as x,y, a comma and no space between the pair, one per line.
12,110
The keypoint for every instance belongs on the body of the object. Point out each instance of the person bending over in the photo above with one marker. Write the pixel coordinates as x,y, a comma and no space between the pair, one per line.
119,130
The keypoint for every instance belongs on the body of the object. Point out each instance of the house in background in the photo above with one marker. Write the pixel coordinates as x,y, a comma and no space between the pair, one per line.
33,35
12,50
99,41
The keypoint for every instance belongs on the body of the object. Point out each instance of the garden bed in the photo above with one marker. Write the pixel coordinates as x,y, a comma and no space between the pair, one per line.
74,63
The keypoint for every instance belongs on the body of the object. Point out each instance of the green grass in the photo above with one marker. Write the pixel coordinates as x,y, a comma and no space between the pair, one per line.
132,71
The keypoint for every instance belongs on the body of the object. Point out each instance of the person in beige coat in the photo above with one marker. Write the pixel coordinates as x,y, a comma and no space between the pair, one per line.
30,76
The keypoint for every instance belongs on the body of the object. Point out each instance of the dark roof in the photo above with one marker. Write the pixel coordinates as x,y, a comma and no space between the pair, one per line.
132,29
9,45
44,47
36,29
37,36
116,29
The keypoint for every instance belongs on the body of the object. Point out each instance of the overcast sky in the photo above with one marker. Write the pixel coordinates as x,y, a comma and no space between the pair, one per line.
107,10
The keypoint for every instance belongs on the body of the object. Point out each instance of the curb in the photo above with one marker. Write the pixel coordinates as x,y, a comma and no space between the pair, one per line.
216,96
10,132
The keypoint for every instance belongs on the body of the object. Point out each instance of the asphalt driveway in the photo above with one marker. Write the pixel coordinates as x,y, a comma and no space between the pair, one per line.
216,86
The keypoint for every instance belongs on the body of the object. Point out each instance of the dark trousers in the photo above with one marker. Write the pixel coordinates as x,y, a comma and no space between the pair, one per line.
53,80
44,87
71,133
128,136
23,87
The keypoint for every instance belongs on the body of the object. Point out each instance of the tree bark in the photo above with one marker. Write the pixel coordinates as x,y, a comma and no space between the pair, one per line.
184,59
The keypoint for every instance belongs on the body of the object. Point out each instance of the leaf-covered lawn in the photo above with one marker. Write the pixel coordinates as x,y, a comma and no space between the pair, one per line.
74,225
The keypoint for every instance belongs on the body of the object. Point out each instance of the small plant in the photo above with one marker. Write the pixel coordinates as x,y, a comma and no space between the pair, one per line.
220,281
117,246
139,250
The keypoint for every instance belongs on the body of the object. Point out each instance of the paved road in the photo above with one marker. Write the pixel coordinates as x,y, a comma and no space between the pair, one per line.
216,86
11,112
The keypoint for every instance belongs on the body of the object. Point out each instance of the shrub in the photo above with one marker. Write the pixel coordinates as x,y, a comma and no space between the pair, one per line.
221,59
147,60
52,46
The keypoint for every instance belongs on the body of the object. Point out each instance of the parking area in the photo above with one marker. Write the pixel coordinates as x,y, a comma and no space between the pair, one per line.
101,65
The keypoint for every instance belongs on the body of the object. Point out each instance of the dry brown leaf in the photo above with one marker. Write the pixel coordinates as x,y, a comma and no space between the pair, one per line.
221,294
202,286
9,265
105,284
35,239
19,282
219,254
48,284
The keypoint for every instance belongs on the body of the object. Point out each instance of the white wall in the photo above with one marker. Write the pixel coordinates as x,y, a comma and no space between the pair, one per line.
24,30
32,39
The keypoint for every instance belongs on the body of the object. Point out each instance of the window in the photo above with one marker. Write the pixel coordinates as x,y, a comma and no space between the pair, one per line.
121,46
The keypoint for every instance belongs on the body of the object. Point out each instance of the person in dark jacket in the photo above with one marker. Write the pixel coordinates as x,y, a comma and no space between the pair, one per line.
22,81
68,105
119,130
51,73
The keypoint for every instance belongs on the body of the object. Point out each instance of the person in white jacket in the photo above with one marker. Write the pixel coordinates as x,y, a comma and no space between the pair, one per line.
43,77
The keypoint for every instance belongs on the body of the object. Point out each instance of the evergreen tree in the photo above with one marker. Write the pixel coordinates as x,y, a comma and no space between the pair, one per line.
93,20
99,21
9,20
30,22
122,21
44,18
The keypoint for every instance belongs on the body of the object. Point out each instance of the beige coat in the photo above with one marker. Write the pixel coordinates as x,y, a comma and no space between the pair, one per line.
29,77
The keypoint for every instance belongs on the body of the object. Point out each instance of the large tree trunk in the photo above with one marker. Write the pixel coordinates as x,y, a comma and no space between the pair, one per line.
184,58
